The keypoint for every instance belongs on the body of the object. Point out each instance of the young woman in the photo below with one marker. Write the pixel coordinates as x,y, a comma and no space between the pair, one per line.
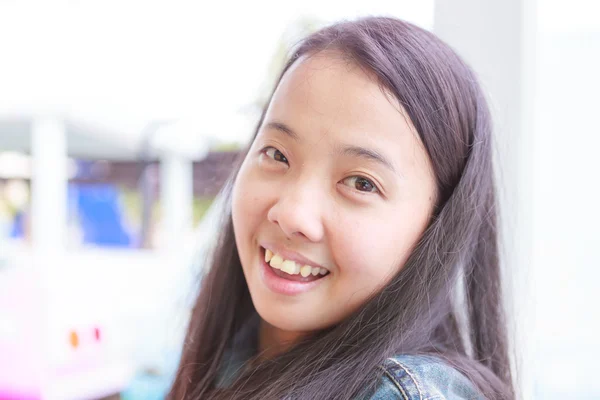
358,257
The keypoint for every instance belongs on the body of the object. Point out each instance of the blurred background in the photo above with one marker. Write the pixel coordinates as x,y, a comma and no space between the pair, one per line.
120,122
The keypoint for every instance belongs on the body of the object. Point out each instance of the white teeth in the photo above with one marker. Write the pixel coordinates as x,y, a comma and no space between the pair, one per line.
268,255
276,261
290,267
305,270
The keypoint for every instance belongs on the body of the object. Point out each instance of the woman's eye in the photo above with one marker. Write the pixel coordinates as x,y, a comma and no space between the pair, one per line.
275,154
361,184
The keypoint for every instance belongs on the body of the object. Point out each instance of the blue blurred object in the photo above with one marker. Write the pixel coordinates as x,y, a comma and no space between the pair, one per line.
147,387
18,226
100,214
155,383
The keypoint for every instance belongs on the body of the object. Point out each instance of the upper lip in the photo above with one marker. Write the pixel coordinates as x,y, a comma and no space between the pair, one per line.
291,255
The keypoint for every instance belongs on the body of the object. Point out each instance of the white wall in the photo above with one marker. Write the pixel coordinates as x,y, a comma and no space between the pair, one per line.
566,218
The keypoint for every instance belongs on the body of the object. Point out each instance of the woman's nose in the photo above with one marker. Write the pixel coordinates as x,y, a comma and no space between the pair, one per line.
298,212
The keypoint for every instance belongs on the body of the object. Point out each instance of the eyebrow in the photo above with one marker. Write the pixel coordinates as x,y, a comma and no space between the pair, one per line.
281,127
354,151
368,154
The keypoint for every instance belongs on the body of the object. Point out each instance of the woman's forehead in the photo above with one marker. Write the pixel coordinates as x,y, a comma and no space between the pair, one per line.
326,99
332,83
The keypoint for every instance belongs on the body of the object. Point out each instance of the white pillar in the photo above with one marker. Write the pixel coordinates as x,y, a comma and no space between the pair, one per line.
497,38
49,185
176,193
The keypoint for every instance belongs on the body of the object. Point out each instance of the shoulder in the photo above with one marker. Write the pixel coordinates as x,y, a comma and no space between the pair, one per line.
409,377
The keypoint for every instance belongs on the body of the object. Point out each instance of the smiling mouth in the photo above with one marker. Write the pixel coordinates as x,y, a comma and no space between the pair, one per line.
291,270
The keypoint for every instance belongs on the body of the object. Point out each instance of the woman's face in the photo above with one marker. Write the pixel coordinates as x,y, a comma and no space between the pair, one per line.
335,192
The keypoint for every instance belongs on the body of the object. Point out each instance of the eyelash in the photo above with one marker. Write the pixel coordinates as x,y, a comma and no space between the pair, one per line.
268,148
374,190
356,178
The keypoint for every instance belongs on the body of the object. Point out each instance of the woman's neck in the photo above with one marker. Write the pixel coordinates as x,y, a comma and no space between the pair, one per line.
273,341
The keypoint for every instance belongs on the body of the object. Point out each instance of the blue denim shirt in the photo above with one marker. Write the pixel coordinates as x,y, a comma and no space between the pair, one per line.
410,377
405,377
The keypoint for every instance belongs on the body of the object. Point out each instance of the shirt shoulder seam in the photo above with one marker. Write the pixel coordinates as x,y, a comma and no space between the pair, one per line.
396,383
410,375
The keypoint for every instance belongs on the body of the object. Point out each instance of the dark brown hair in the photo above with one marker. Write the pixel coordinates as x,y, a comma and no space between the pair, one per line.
420,310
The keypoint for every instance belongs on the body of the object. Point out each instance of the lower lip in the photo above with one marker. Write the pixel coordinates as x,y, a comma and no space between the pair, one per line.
281,285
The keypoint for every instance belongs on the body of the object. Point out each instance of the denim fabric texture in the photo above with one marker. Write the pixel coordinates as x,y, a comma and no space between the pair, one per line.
410,377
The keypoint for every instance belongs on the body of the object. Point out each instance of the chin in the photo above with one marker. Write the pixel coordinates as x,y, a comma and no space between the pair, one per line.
292,318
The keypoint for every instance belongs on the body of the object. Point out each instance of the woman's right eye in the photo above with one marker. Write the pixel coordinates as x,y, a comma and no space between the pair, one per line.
274,154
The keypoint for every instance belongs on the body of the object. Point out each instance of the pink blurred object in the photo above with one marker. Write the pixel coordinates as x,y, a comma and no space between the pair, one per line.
50,351
21,336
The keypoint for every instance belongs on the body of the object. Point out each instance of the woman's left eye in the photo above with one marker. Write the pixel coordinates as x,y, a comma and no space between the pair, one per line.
361,184
275,154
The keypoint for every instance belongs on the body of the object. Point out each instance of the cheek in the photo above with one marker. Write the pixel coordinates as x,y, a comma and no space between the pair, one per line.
372,247
248,204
